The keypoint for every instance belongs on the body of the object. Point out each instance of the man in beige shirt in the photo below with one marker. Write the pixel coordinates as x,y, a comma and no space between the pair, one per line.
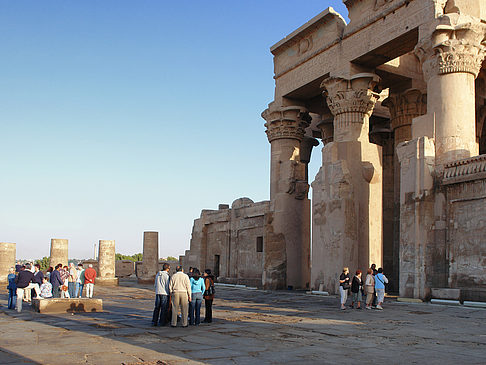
180,290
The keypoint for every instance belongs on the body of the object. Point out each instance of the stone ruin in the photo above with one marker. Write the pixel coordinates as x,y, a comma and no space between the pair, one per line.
398,99
229,241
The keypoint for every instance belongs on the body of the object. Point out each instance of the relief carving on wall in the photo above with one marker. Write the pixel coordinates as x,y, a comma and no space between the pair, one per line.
380,3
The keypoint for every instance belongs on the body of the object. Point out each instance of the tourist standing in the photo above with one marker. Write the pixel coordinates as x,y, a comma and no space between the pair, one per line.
180,291
46,288
64,272
208,296
356,290
161,286
24,282
373,267
12,288
380,281
369,288
56,281
197,290
89,280
79,281
38,275
72,280
344,284
49,272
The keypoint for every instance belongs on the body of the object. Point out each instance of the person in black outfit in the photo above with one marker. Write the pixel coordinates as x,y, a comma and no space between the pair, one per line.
208,296
356,290
24,282
344,281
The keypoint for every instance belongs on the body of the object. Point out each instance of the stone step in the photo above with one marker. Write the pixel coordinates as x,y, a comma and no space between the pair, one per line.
67,305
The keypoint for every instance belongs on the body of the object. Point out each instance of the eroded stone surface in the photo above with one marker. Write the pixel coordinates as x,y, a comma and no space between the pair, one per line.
250,326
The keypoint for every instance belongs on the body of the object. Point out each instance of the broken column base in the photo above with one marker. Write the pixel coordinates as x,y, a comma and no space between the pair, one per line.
67,305
106,281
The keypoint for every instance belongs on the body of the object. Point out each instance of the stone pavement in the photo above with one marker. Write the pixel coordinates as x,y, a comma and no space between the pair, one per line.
250,327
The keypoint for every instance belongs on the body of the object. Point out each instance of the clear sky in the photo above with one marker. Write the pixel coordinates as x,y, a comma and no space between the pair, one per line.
118,116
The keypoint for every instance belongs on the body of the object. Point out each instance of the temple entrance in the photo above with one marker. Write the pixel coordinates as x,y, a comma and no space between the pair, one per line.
216,265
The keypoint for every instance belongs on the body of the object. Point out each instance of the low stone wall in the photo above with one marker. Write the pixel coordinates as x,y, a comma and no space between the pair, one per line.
65,305
124,268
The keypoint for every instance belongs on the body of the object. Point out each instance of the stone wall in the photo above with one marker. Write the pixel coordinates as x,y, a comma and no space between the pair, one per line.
124,268
230,242
465,186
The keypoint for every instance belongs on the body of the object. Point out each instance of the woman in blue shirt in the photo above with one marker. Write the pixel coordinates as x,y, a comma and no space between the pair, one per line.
12,289
197,290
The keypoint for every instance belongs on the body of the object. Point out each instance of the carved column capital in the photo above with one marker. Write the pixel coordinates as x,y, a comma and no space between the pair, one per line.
286,122
351,102
403,108
454,45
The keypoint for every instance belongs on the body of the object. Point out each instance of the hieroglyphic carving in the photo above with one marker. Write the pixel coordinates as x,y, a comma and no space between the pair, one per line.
287,122
455,45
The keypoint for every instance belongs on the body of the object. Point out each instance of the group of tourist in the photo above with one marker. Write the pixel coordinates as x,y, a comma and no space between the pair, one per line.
184,292
59,282
373,288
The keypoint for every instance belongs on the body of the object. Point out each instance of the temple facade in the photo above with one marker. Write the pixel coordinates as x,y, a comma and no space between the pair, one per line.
396,102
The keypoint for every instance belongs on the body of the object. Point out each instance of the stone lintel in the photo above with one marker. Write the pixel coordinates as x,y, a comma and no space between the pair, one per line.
67,305
300,33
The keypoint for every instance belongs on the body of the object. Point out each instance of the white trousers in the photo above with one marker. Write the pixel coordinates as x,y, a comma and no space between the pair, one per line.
20,294
89,290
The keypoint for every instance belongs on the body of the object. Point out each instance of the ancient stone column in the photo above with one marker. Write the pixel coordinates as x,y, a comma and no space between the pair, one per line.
7,259
287,238
451,56
150,260
106,263
59,252
347,192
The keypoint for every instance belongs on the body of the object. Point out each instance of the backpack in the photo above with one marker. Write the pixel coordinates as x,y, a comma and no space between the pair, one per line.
210,290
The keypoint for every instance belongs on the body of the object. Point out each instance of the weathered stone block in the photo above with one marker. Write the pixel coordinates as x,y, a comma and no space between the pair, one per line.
445,293
56,305
106,281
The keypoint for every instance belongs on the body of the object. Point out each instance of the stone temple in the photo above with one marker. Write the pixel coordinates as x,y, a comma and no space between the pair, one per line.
397,98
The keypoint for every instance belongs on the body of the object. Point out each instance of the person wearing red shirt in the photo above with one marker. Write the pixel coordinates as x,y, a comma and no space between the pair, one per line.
89,279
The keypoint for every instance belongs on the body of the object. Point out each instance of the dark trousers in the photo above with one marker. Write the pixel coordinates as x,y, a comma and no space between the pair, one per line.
55,291
209,310
161,310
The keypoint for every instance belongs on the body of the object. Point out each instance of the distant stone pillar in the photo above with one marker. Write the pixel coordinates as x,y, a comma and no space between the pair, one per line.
451,58
7,259
287,225
347,192
59,252
106,263
150,260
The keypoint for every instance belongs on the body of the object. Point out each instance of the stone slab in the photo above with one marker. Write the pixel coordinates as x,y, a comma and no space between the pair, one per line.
445,302
445,293
409,300
65,305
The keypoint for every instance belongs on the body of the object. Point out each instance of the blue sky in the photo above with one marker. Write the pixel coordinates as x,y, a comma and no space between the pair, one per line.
118,117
